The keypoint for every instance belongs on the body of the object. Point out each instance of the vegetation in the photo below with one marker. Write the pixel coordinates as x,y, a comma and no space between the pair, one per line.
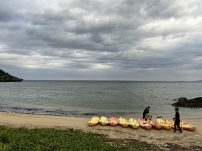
6,77
22,139
49,139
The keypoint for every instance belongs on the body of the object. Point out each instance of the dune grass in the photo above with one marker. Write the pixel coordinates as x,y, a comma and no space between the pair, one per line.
49,139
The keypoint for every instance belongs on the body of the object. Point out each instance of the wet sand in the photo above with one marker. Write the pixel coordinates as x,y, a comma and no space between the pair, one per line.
159,137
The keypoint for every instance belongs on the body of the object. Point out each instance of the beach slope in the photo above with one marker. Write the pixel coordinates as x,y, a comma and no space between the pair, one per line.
159,137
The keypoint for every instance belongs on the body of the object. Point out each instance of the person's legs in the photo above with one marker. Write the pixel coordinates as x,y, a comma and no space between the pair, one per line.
143,116
178,125
150,117
175,127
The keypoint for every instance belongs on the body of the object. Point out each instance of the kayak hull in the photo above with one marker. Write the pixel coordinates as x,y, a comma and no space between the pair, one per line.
163,123
123,122
144,124
104,121
155,125
187,126
133,123
113,121
94,121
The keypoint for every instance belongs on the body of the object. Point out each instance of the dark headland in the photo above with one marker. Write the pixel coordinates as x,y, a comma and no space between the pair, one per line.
192,103
6,77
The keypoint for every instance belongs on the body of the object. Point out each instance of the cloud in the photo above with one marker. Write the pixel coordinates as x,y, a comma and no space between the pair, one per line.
120,39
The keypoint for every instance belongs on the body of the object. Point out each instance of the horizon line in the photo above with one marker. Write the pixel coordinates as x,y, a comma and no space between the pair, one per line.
113,80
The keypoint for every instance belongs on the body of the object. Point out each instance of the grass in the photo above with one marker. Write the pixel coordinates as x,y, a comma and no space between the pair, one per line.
48,139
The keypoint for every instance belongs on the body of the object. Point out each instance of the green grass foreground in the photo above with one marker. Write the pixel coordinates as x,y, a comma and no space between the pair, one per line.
48,139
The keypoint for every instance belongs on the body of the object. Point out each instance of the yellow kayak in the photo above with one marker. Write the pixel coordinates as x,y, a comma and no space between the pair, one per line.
123,122
171,123
104,121
93,121
133,123
163,123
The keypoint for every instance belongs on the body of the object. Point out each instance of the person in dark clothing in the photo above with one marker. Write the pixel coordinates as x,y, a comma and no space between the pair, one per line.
177,120
146,111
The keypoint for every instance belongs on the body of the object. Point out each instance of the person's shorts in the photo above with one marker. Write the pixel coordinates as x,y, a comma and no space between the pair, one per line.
148,116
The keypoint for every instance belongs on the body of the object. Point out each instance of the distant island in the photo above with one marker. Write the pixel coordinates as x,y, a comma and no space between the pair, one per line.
6,77
199,81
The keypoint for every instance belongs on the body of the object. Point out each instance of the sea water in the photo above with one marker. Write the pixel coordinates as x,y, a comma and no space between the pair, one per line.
88,98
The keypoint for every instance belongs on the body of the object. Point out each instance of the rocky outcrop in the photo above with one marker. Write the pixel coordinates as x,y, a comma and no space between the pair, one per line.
6,77
192,103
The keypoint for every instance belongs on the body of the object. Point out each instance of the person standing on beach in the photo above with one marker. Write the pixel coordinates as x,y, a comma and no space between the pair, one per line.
177,120
146,111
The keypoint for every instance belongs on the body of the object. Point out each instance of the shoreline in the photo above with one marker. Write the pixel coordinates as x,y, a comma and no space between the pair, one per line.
158,137
88,114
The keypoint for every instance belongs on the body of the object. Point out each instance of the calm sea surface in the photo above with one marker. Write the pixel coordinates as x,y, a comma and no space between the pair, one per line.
87,98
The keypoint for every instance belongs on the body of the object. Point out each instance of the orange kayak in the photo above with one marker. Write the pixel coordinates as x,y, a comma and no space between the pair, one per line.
155,125
183,124
144,124
187,126
113,121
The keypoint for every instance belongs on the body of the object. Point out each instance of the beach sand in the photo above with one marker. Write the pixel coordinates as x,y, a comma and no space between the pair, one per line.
158,137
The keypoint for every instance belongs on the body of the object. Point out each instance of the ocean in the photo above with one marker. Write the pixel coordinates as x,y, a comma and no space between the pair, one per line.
89,98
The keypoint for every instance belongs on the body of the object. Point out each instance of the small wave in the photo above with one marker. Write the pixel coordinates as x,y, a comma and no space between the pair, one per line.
60,112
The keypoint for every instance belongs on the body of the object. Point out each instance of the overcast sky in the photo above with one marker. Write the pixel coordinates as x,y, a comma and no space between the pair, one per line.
102,39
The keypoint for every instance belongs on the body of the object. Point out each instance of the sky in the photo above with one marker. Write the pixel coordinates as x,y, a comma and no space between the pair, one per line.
152,40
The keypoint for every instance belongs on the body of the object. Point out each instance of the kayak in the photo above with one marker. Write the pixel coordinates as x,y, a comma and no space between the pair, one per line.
93,121
104,121
170,123
163,123
113,121
123,122
133,123
144,124
187,126
183,124
155,125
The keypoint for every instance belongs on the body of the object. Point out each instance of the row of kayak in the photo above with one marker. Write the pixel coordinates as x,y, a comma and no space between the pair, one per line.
159,123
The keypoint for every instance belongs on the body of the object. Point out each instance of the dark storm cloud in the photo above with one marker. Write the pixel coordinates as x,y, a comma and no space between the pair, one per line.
5,15
107,37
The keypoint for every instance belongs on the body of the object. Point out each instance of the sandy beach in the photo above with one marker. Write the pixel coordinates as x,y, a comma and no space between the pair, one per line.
159,137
